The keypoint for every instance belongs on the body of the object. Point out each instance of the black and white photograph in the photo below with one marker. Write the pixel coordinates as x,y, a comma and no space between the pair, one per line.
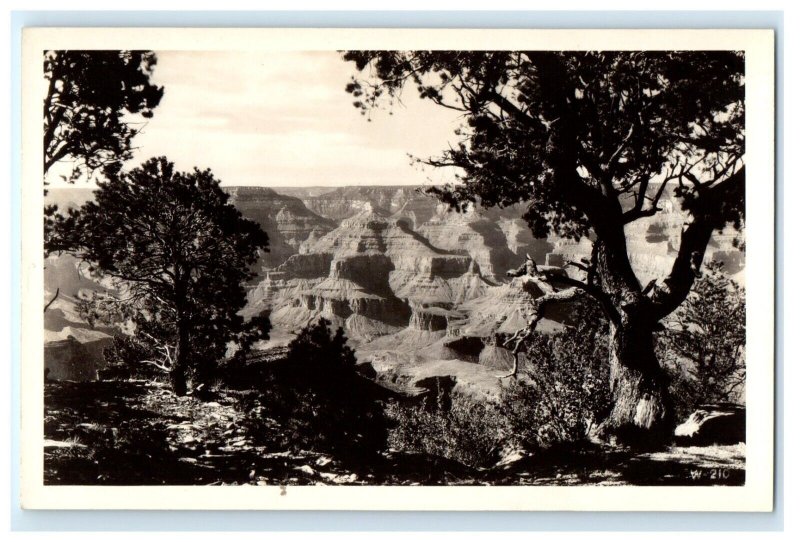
476,266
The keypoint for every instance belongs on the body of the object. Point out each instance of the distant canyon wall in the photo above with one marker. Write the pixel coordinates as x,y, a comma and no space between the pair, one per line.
403,274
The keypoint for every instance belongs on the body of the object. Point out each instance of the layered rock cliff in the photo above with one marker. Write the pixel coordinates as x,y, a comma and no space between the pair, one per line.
287,221
408,279
476,234
373,275
401,201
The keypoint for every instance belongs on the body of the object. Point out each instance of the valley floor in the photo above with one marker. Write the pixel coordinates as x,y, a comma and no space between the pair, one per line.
140,433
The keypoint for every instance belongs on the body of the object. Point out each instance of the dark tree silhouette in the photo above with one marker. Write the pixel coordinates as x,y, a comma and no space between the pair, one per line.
592,141
317,346
90,95
180,254
318,393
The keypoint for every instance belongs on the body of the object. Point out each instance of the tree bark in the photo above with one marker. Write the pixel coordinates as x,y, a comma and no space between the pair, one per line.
179,371
642,413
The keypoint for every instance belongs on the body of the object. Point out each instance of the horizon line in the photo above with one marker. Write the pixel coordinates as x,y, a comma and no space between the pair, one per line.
85,187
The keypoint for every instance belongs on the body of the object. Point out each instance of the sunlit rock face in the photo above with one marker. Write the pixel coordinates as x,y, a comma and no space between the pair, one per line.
286,220
498,239
496,357
477,235
430,318
399,201
373,275
521,241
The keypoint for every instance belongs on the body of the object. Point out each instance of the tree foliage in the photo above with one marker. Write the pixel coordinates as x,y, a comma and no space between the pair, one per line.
705,345
589,140
180,254
91,96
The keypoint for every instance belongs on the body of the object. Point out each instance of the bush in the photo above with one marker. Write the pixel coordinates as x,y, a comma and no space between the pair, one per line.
703,346
562,390
318,398
561,393
458,427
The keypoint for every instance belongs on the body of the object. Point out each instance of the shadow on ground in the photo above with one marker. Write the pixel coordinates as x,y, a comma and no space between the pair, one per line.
139,433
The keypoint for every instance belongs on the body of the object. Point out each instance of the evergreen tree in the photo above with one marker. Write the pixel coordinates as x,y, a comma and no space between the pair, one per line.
180,254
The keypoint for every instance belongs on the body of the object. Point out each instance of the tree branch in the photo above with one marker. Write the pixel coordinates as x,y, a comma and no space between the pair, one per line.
539,305
505,104
58,290
619,150
62,152
637,211
597,294
706,215
156,364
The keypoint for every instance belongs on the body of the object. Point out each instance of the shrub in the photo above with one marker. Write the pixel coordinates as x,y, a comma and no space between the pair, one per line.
317,396
562,391
703,346
458,427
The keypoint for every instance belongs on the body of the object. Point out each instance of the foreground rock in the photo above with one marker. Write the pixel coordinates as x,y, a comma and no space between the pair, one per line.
713,424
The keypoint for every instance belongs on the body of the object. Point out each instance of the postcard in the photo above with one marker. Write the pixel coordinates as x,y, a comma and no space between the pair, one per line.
383,269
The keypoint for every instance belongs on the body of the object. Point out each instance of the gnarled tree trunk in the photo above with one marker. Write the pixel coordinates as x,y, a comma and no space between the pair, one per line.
642,412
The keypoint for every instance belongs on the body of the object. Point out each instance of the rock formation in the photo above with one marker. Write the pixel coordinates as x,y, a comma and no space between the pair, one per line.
373,275
713,424
71,359
477,235
287,221
73,350
411,281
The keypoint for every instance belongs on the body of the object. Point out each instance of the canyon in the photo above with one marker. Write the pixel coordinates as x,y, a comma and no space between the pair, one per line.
421,291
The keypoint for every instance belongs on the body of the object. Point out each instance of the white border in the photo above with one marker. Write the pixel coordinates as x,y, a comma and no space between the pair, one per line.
755,495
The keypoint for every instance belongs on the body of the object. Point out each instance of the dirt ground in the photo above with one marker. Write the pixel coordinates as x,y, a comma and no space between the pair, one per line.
140,433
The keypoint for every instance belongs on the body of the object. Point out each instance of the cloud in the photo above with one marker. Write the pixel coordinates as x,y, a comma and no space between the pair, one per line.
282,118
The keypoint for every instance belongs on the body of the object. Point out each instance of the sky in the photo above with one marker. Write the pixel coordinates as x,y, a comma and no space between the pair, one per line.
284,119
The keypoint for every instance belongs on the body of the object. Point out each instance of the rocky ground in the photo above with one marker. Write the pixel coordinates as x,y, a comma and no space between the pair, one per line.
139,433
